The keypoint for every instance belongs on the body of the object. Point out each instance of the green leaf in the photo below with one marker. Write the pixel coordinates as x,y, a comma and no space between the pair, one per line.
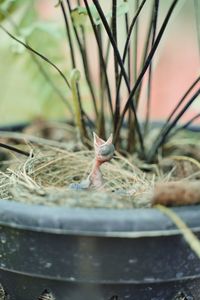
6,8
6,4
122,9
58,3
49,27
80,15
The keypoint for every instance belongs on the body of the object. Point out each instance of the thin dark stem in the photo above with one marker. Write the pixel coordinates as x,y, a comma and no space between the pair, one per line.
128,51
85,61
14,149
101,121
112,41
161,139
147,63
117,109
197,116
133,22
71,47
155,19
107,54
101,79
101,55
117,54
84,47
186,125
114,32
38,54
128,38
131,133
135,25
179,104
144,56
145,53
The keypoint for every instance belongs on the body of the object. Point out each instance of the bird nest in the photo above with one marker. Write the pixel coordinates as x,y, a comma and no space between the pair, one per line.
46,177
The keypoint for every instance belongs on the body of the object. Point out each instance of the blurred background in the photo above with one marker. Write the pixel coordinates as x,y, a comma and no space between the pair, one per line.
27,94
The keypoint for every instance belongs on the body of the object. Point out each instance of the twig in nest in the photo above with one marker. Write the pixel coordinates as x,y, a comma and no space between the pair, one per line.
177,193
16,150
186,158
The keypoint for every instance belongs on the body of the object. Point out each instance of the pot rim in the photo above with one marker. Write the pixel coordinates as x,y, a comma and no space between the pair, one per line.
135,223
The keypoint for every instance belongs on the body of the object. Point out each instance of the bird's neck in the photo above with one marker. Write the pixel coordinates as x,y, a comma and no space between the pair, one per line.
95,175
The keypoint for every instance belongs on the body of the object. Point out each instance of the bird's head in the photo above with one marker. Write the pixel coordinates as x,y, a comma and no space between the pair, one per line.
104,150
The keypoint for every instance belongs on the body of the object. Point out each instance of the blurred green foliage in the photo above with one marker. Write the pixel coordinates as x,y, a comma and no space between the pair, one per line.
25,94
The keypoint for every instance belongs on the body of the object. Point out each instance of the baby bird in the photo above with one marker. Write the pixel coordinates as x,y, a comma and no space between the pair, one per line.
104,151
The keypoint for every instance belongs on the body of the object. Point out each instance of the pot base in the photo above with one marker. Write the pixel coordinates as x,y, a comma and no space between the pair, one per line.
22,287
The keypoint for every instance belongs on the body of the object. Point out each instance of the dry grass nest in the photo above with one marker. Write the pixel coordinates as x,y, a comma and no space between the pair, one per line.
45,178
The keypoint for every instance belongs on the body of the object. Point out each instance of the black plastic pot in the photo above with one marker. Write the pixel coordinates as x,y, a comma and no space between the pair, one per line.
96,254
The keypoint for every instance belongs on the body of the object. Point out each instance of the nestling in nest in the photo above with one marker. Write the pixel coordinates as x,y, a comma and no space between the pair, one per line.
104,151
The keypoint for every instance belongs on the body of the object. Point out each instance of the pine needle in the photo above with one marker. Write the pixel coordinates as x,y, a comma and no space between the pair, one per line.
187,233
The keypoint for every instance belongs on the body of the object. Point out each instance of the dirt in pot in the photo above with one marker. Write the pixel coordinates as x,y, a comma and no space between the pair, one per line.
45,179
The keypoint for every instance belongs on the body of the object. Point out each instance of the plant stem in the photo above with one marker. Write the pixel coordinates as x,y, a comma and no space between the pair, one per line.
85,62
155,19
186,125
131,143
161,139
131,135
112,40
129,36
147,63
132,121
114,32
128,50
117,54
135,55
101,55
101,120
145,52
74,78
179,104
107,53
71,47
197,116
